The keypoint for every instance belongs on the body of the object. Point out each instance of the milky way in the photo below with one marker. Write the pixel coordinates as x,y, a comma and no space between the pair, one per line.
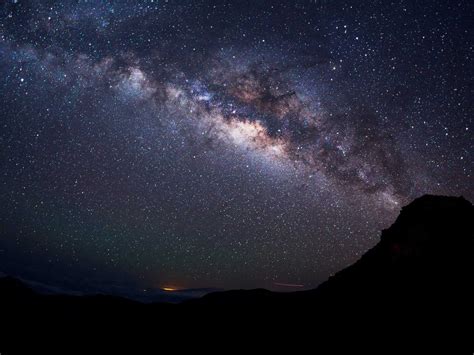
215,144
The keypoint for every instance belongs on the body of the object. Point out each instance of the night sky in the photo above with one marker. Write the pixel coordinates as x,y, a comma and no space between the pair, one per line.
227,144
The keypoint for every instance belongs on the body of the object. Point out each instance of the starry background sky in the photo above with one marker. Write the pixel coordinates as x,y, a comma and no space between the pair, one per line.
223,144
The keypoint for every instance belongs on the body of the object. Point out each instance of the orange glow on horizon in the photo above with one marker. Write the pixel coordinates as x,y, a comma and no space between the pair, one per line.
169,289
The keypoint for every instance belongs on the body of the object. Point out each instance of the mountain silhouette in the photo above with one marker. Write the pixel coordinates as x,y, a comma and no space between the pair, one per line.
417,278
427,254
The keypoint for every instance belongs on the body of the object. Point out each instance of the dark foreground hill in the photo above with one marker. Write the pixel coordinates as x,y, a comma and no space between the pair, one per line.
414,287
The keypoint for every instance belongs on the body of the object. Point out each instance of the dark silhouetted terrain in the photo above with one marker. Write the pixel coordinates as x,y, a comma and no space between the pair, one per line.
414,285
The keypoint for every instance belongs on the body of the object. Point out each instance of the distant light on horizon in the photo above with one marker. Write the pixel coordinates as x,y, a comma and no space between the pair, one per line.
169,289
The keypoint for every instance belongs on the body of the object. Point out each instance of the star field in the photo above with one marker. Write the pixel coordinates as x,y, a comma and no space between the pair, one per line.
223,144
